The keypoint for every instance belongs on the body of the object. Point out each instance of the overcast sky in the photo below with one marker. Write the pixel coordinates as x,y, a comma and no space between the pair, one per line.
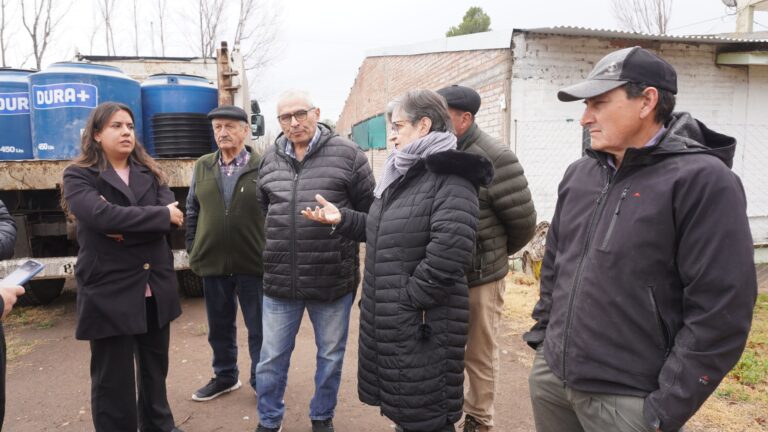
322,43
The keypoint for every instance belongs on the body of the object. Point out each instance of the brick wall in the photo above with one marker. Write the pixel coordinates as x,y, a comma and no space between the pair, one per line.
381,79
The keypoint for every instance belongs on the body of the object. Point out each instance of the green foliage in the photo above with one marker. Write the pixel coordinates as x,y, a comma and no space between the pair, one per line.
475,21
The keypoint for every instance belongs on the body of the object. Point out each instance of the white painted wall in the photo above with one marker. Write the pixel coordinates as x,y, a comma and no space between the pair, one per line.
546,134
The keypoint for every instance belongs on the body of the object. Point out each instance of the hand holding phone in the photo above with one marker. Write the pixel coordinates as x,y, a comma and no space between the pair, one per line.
23,273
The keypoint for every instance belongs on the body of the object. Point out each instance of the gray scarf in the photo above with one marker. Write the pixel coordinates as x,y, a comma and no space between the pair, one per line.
400,161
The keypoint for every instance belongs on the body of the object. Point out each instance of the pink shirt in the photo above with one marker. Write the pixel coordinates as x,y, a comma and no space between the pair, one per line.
125,174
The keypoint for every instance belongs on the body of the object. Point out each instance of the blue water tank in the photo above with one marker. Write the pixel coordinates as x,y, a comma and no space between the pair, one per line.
16,138
63,96
175,109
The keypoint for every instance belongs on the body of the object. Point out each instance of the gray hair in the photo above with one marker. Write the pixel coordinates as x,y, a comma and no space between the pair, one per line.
295,94
417,104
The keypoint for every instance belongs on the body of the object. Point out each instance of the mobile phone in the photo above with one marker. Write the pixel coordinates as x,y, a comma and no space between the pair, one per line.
23,273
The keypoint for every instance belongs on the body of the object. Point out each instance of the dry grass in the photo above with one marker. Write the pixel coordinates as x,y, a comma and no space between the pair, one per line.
34,318
740,403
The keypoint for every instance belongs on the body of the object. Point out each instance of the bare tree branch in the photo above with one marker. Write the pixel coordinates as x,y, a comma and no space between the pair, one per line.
643,16
4,36
135,29
210,14
107,8
256,32
40,23
161,9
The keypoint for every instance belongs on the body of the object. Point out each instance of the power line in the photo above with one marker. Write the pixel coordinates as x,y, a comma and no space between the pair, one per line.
700,22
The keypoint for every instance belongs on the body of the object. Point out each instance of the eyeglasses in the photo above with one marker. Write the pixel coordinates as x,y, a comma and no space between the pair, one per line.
396,126
299,115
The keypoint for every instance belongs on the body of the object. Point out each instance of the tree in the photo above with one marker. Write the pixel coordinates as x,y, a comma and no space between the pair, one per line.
256,32
643,16
475,21
209,14
107,8
40,21
4,36
161,4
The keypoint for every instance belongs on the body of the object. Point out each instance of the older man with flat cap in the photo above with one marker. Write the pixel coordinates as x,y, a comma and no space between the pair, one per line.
507,223
225,238
648,280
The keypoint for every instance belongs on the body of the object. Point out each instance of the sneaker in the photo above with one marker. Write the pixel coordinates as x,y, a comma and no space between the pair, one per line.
213,389
472,425
262,428
323,425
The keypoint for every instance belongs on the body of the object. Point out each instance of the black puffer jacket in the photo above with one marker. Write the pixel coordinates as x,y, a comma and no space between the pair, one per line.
7,233
414,309
301,259
507,215
648,281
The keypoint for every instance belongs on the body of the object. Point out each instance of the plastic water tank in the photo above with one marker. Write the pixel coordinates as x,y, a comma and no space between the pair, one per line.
62,97
175,111
16,138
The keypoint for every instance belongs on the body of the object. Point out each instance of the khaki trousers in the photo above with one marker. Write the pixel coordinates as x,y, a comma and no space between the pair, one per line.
481,358
561,409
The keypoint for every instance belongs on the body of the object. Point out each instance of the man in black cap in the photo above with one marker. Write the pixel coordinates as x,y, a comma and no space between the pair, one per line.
225,238
648,281
507,223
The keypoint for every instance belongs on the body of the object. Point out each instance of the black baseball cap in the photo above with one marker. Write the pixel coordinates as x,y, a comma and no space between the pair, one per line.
228,111
461,98
635,65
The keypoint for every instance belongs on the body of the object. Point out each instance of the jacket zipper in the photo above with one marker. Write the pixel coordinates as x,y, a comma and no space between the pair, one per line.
665,336
226,218
293,235
614,218
600,203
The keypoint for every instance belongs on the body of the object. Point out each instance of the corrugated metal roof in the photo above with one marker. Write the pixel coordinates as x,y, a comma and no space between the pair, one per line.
760,37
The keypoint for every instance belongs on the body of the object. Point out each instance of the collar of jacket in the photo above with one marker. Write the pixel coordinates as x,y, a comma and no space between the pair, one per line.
141,179
251,158
326,133
469,137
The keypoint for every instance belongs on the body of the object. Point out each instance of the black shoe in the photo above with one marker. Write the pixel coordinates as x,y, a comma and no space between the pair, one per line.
215,388
471,424
262,428
323,425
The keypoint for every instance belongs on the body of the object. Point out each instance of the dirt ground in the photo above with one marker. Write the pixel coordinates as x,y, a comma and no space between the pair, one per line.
48,385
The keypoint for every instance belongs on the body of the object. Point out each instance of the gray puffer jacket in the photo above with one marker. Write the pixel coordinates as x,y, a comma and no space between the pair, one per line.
304,259
7,232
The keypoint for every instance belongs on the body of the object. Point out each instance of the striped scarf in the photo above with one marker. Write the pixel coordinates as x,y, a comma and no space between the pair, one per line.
400,161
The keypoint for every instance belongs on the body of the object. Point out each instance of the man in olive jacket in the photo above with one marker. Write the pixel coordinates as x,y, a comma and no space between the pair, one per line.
225,237
507,223
307,266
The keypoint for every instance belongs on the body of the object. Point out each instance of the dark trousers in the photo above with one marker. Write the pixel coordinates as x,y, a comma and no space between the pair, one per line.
2,376
114,380
222,294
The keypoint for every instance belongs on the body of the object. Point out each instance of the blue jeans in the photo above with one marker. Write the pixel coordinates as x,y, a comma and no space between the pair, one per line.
282,319
221,297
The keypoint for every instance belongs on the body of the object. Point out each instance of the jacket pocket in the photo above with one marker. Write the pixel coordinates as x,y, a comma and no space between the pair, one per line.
663,330
614,219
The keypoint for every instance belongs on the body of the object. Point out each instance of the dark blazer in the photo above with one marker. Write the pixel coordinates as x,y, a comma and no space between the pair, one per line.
112,275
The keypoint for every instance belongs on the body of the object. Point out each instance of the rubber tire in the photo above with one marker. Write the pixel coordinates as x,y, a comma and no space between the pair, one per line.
190,284
41,292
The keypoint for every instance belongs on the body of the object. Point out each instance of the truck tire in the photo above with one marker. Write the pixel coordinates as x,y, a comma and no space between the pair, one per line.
41,292
190,284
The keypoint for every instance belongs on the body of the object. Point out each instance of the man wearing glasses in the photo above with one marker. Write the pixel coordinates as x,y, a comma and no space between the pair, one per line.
306,265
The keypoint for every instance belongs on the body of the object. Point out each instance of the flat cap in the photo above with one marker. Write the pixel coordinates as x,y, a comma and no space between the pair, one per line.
461,98
228,111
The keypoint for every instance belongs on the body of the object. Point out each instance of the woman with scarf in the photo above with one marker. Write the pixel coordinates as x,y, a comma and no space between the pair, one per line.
127,289
419,233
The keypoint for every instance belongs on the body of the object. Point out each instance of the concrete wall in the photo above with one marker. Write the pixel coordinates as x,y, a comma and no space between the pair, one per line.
380,79
546,135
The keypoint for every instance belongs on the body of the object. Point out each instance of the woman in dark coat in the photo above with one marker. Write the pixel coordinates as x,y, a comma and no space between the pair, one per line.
419,233
127,289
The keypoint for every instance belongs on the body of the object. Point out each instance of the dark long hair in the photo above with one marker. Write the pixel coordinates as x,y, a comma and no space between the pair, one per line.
91,153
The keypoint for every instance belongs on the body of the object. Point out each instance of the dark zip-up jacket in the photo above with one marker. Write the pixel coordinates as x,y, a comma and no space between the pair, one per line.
648,281
414,308
7,242
304,259
507,215
220,240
